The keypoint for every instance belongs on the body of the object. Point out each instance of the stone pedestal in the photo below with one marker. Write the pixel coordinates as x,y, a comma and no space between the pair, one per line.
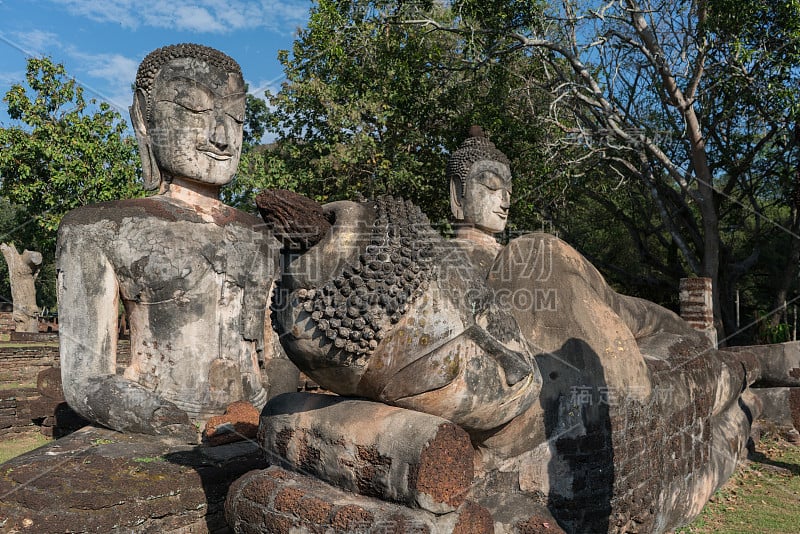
98,480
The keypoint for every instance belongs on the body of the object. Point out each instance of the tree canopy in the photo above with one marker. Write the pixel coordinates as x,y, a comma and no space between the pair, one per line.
60,153
372,107
658,137
63,151
689,106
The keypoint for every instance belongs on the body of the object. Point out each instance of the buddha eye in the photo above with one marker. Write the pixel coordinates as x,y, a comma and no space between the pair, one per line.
236,116
491,181
193,106
194,99
234,108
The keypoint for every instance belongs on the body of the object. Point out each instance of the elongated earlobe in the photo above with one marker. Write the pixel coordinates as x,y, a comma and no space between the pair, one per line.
456,207
151,176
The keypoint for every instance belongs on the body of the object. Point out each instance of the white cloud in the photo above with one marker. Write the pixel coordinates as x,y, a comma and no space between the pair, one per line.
258,88
197,19
117,73
112,67
205,16
35,42
7,79
119,11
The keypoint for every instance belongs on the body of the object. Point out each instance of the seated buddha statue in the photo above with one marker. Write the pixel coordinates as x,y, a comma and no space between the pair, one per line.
192,274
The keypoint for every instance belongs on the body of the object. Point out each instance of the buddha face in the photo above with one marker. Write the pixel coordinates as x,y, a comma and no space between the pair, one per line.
196,121
487,196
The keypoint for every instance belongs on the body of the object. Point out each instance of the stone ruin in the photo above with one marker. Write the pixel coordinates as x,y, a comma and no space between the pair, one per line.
472,387
194,277
193,274
23,269
545,400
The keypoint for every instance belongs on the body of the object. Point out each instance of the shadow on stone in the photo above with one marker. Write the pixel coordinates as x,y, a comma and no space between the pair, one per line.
578,430
218,468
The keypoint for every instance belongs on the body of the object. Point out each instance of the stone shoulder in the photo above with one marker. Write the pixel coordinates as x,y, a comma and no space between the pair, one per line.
155,207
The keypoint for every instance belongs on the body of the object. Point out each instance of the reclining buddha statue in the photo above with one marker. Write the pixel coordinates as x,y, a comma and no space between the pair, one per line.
487,388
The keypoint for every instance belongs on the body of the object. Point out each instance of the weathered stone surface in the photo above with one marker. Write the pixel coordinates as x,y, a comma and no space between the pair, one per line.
364,315
625,419
22,362
22,272
370,448
296,221
697,307
97,480
780,363
794,406
473,519
193,274
777,405
279,501
48,384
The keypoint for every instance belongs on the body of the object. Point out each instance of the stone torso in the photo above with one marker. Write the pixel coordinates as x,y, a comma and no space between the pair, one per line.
195,291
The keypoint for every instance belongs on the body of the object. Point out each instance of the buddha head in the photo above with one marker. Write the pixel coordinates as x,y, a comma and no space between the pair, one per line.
480,184
188,115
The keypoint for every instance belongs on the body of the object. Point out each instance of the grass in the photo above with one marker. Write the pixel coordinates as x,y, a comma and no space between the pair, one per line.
16,385
762,496
27,344
149,459
10,448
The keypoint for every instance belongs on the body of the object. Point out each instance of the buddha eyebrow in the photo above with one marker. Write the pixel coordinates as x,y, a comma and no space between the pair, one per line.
492,175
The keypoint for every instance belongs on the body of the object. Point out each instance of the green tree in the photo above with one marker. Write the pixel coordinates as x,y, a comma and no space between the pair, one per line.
60,153
692,103
255,121
259,167
372,107
63,152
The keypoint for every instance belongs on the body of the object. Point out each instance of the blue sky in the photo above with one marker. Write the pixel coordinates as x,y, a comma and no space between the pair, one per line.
101,42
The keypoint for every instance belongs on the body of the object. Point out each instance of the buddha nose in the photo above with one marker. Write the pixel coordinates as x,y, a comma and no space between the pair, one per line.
219,138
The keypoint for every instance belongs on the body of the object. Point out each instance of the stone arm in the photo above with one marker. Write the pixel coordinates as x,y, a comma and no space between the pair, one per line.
654,327
88,298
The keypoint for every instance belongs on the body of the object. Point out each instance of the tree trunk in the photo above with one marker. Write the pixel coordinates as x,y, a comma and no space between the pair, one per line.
789,274
22,272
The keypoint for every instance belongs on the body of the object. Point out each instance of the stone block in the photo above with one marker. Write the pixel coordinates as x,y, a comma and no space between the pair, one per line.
780,363
48,383
240,421
103,481
44,407
776,405
276,500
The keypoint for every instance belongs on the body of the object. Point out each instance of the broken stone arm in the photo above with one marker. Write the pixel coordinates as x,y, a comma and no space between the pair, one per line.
87,286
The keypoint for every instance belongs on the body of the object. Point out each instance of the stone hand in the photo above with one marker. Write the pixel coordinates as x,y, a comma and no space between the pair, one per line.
128,407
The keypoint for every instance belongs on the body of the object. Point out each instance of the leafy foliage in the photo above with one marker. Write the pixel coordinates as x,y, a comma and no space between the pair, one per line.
62,155
683,111
255,121
373,107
